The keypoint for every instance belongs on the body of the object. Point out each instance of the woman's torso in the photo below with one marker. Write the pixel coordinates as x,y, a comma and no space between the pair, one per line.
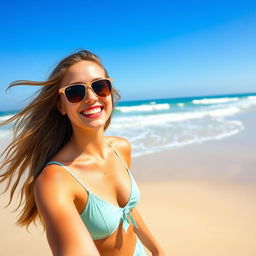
109,190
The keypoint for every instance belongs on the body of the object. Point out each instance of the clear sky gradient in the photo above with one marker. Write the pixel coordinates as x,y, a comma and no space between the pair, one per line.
152,49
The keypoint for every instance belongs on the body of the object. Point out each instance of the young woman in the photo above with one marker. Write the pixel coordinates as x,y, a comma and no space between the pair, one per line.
79,184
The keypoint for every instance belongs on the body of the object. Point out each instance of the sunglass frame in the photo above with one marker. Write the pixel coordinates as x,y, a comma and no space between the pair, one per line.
87,85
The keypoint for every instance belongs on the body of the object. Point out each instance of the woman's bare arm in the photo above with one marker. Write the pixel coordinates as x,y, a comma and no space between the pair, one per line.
145,235
66,233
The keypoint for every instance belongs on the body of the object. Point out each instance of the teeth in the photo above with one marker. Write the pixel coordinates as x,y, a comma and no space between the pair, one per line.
92,111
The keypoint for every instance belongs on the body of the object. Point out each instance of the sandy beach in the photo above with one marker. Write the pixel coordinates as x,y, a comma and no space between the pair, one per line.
196,200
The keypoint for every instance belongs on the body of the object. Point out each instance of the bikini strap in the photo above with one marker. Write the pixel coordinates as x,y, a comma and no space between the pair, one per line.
74,176
119,156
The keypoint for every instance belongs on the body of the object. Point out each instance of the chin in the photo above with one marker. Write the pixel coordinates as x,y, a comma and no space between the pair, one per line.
97,124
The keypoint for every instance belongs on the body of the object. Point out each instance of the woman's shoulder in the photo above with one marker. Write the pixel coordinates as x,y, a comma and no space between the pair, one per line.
122,145
53,180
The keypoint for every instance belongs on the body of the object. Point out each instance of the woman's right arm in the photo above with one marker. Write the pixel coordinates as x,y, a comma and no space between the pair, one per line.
66,233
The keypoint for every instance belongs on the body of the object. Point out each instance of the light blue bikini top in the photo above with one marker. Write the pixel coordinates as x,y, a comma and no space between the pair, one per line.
101,217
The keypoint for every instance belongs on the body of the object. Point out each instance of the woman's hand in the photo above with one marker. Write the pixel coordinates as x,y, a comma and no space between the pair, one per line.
158,252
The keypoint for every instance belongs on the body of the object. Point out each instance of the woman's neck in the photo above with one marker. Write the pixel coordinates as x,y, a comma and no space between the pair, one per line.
89,143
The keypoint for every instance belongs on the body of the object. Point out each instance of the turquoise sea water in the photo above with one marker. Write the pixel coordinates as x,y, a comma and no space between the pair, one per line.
159,124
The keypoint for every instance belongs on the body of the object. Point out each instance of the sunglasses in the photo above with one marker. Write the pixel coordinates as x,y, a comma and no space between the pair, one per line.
76,92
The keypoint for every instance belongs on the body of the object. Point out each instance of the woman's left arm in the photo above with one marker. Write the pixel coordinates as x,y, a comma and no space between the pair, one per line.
145,235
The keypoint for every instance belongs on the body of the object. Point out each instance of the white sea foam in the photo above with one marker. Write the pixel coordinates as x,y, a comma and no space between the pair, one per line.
151,132
251,97
5,133
243,104
230,111
144,107
151,139
3,118
161,119
215,100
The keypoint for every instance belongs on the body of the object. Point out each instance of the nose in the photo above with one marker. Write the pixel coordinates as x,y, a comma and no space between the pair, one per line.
90,95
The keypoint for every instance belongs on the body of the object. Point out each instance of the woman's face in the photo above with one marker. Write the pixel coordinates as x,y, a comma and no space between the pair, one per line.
79,113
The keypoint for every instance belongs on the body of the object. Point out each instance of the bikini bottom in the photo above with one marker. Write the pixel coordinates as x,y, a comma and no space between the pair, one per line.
139,249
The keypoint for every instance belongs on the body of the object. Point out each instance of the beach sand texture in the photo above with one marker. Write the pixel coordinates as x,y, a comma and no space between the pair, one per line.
196,200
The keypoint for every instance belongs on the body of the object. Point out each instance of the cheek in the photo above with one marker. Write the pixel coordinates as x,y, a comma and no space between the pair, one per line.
109,106
67,108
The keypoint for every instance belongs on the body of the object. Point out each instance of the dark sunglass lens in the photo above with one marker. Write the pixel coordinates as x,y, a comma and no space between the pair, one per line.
75,93
102,87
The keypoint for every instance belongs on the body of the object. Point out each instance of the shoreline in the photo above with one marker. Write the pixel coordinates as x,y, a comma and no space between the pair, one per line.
234,154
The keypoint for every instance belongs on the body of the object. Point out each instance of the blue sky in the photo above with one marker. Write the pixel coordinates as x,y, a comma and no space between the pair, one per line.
152,49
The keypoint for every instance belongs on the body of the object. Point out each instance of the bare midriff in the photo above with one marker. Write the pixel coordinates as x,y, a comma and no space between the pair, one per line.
117,244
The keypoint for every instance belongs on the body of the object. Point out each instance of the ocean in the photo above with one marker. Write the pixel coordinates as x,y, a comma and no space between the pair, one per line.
160,124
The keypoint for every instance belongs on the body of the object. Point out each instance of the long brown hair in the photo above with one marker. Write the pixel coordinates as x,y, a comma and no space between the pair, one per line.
39,132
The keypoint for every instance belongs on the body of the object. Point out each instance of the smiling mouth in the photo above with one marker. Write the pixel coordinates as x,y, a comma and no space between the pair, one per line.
94,112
